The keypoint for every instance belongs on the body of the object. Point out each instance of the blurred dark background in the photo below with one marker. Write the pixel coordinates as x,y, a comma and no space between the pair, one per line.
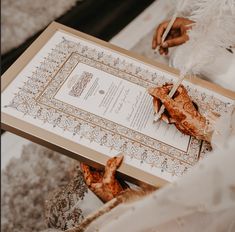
100,18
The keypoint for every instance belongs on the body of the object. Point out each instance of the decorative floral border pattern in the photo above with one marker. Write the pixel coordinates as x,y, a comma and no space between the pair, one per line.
36,98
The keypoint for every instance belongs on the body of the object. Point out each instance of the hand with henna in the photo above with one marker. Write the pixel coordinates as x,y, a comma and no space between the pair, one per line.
104,183
181,111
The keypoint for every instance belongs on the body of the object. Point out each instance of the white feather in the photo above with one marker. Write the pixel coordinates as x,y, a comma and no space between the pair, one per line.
214,30
224,128
184,7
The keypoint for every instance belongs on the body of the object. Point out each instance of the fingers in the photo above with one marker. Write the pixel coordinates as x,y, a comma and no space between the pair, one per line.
172,34
163,51
181,111
160,30
158,35
164,89
156,104
114,162
173,107
176,36
96,188
175,41
111,166
151,91
104,193
182,96
87,174
161,94
157,38
99,191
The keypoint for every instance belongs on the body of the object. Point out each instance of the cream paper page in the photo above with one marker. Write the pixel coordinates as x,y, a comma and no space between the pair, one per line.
117,100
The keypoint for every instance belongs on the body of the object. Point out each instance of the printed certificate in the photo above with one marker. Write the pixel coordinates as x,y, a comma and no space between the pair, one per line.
88,99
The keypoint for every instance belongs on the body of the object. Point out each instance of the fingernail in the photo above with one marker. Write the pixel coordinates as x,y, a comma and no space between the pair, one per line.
164,45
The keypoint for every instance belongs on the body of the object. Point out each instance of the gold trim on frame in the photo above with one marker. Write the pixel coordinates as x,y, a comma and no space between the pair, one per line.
65,146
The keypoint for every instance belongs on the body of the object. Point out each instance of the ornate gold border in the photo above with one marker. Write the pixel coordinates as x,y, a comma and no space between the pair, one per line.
63,145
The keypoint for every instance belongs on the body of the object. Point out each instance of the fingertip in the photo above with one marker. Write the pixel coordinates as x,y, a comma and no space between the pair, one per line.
119,158
151,90
167,51
84,167
164,45
154,45
159,33
161,51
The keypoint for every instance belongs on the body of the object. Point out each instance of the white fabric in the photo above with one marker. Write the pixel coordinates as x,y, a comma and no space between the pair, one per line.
204,199
222,70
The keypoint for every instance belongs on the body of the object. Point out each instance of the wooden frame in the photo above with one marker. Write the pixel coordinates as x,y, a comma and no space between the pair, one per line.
63,145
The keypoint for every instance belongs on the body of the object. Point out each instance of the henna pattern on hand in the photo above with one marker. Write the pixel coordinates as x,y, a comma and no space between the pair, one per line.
180,111
104,183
